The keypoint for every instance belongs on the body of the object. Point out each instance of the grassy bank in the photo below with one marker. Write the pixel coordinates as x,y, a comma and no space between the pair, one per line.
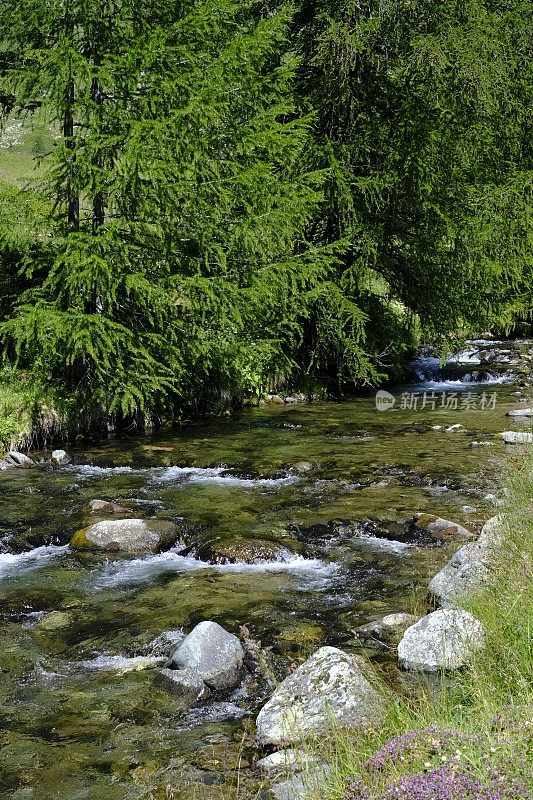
27,417
472,739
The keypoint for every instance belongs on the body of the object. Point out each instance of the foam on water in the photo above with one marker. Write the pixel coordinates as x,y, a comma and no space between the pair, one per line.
120,664
219,475
385,545
142,570
465,357
13,564
468,382
90,471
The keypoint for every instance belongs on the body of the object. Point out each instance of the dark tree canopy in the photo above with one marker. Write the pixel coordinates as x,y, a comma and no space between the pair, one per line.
242,194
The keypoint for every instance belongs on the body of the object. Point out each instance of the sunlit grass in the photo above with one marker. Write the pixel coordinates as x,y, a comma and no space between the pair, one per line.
489,705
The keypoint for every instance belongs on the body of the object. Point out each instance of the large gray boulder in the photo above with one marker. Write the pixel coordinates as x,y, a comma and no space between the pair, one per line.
212,653
469,568
127,535
16,459
329,687
516,437
492,533
308,785
60,457
464,574
443,640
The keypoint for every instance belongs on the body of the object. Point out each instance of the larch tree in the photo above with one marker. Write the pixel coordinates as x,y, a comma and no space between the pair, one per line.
179,260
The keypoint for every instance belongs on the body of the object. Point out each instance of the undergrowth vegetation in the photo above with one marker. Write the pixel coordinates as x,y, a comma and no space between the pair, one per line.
472,738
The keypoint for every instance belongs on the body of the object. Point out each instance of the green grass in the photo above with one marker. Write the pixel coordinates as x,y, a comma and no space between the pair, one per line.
489,705
24,142
27,414
17,409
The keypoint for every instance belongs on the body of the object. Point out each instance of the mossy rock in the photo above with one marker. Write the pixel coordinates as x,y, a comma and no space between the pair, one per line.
126,535
247,551
55,621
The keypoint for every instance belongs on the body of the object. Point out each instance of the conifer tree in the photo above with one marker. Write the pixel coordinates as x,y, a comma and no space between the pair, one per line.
422,119
181,199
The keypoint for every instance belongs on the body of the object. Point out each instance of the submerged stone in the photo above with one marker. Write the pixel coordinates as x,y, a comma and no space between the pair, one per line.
439,528
245,551
55,621
328,688
128,535
106,507
186,683
387,628
121,664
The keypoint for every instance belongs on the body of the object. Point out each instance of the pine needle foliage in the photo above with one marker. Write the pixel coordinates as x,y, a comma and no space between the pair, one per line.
422,116
182,196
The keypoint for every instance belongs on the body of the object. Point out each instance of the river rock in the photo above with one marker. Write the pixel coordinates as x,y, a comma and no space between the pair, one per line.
106,507
246,551
60,457
16,459
213,653
516,437
329,685
186,683
164,642
127,535
464,573
443,640
303,466
55,620
285,762
521,412
308,785
387,628
492,534
469,568
439,528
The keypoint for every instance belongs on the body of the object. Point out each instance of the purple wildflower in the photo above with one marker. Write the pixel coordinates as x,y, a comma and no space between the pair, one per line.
414,744
444,783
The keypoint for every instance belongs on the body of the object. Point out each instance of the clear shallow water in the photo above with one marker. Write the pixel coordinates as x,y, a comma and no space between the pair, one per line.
73,731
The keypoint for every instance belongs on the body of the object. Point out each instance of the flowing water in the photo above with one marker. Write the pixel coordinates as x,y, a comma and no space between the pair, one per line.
297,517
